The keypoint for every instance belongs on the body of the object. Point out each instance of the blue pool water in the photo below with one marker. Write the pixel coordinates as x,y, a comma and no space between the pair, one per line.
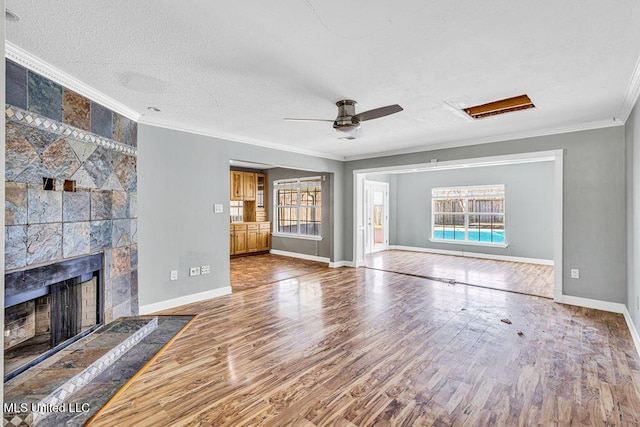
495,236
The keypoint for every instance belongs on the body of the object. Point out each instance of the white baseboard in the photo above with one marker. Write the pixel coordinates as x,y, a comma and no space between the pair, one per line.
632,329
187,299
474,255
613,307
341,264
300,256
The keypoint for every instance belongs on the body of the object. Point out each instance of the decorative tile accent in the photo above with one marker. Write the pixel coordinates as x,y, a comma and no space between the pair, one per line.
76,239
82,179
101,235
101,205
15,247
82,149
44,206
98,167
18,151
76,206
15,204
126,172
112,183
16,85
66,390
121,232
45,97
125,130
101,120
120,205
77,110
44,243
34,120
60,160
120,262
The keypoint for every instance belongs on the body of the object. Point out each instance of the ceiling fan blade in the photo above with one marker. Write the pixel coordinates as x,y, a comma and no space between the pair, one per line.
307,120
378,112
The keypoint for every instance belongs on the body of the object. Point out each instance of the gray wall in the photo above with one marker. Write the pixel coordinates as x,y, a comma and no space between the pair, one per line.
529,207
632,140
321,248
594,231
180,177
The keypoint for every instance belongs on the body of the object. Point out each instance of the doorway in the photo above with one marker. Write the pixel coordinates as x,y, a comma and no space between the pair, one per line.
377,216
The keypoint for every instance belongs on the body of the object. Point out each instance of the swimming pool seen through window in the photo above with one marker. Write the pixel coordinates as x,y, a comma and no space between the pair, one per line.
472,215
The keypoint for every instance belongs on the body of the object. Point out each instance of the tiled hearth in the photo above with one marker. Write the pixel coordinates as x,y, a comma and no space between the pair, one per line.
32,396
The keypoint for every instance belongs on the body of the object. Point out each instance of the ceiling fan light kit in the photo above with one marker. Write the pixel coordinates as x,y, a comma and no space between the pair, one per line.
348,121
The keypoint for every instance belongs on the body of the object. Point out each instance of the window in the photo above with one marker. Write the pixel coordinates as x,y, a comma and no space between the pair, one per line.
237,210
468,214
298,207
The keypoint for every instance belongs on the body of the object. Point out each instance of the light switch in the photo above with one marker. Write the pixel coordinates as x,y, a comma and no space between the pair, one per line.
217,208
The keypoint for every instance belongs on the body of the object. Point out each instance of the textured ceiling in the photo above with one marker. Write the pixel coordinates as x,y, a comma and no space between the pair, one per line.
236,69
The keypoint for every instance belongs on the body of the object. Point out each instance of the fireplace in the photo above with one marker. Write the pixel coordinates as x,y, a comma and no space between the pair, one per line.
49,307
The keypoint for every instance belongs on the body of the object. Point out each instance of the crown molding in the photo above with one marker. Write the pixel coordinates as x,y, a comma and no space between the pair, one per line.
146,120
599,124
35,64
631,96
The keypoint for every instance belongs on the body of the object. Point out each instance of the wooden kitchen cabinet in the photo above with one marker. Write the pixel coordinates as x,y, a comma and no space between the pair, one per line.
264,236
249,186
239,239
243,185
237,185
250,237
261,197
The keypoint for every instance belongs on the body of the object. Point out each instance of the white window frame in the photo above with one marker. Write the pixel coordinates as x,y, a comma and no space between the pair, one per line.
297,183
469,189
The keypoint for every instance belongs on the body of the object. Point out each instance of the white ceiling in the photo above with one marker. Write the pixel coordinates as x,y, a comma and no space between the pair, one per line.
236,69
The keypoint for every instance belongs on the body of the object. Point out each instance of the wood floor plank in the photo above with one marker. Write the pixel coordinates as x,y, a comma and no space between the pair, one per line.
358,347
530,279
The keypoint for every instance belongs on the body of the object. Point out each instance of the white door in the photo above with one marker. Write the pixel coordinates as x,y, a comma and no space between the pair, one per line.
377,216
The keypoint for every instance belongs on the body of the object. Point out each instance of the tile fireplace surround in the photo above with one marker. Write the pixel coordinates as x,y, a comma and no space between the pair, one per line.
55,135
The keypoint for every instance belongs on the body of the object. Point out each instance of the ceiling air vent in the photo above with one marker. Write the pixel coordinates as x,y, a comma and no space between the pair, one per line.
502,106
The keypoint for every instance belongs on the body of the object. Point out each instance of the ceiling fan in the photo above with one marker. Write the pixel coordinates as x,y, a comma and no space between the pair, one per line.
348,121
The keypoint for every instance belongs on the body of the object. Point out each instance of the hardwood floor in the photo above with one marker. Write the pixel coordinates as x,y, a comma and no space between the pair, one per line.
530,279
256,270
365,347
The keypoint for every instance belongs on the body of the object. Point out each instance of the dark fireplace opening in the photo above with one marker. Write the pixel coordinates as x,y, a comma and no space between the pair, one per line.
48,308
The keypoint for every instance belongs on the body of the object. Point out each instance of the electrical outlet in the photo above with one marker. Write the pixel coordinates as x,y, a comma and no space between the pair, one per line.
174,274
575,273
194,271
205,269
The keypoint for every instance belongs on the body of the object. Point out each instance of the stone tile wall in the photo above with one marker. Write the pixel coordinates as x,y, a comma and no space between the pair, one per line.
52,132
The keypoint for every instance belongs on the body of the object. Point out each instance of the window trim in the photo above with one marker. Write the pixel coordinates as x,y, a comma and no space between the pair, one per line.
466,214
297,182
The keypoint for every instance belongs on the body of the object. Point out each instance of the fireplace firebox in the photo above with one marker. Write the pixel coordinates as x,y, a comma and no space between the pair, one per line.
49,307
